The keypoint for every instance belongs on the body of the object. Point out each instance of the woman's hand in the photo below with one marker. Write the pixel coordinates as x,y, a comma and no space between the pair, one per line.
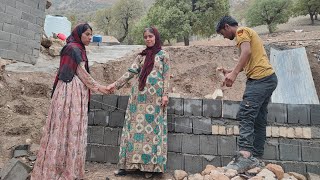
104,90
165,101
111,87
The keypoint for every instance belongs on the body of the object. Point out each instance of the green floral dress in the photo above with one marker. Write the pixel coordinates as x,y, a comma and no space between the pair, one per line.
144,135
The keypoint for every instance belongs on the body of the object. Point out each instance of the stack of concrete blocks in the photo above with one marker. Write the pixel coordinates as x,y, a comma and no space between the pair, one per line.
21,23
204,131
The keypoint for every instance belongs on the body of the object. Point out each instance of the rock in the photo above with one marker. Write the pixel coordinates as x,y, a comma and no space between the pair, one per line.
219,177
289,178
266,173
179,174
218,94
276,169
230,173
254,171
297,175
311,176
46,42
238,178
208,170
15,170
54,51
32,158
257,178
195,177
34,148
48,4
28,141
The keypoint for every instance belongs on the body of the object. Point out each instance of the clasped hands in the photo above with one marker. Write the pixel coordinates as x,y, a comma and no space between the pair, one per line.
109,89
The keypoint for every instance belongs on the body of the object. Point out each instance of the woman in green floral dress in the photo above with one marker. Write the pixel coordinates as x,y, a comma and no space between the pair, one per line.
144,136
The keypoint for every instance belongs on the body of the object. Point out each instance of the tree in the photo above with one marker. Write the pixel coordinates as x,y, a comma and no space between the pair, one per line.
182,18
102,20
124,13
304,7
269,12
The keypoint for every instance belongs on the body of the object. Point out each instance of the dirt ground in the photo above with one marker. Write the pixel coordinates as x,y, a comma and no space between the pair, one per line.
25,97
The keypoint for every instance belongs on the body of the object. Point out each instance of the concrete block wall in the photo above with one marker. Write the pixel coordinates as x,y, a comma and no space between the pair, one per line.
21,23
203,131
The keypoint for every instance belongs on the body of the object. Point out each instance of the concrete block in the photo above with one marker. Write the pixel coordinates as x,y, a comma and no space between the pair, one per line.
5,18
183,125
15,55
222,130
31,3
95,102
29,35
1,26
40,21
96,134
24,49
230,109
111,136
171,123
175,161
315,114
315,132
275,131
97,153
310,151
215,129
175,142
283,131
3,53
290,150
290,132
193,164
18,39
112,154
313,168
19,153
20,23
212,108
29,59
37,37
212,160
298,114
34,27
123,102
229,130
202,126
236,130
33,43
208,145
277,113
35,52
28,17
37,12
2,7
307,133
192,107
191,144
110,102
23,7
268,131
175,106
15,170
9,3
117,118
88,152
101,118
227,145
225,160
298,132
8,46
298,167
42,6
13,11
271,149
4,36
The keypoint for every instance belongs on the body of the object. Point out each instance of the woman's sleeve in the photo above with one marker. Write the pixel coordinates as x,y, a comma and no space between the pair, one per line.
132,71
86,78
166,74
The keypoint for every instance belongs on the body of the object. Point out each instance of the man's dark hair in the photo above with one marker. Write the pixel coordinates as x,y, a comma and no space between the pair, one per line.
225,20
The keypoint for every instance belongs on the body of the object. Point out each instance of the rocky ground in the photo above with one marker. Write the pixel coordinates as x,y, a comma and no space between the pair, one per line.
25,96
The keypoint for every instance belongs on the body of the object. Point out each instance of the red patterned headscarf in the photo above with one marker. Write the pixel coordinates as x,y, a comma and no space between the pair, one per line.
150,53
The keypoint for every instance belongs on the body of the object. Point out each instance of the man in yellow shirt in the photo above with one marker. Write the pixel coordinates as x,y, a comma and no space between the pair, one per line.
260,85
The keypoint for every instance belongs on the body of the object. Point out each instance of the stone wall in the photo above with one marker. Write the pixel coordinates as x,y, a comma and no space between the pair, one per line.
206,131
21,23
